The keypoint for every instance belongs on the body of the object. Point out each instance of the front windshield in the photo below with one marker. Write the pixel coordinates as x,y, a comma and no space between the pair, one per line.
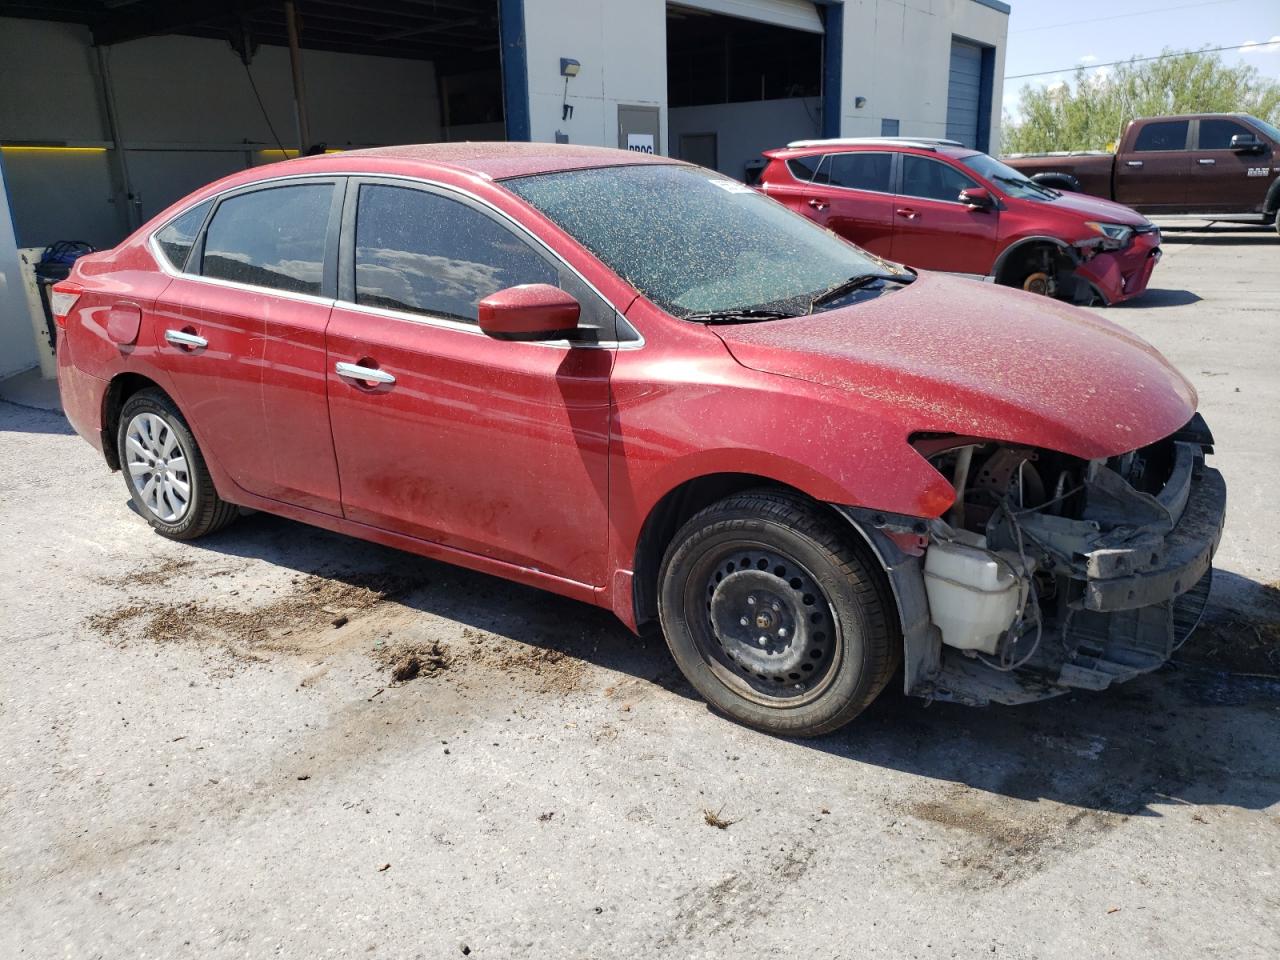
1010,181
694,241
1270,129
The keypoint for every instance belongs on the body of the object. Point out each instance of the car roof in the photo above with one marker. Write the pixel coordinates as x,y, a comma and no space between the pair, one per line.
496,160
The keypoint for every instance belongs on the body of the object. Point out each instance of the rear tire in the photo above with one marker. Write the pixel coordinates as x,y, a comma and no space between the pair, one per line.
165,471
775,618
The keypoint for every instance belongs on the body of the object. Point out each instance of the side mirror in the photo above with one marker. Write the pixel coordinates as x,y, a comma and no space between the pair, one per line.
531,311
1246,143
977,198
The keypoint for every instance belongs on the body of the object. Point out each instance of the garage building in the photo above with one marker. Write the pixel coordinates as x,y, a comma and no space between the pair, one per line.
112,109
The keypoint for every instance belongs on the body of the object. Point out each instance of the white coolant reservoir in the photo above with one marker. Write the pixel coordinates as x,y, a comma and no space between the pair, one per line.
973,598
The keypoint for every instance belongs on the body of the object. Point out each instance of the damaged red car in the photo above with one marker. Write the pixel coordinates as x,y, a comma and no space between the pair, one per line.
937,205
640,384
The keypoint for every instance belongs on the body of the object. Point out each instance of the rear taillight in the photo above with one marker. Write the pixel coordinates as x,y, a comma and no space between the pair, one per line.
62,298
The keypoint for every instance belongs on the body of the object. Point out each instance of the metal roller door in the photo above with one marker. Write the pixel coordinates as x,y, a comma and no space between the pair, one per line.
964,92
793,14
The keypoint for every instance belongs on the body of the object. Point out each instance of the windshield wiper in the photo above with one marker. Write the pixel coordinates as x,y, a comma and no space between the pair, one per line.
857,283
737,315
1022,182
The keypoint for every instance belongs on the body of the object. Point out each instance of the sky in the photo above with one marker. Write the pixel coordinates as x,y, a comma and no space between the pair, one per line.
1054,36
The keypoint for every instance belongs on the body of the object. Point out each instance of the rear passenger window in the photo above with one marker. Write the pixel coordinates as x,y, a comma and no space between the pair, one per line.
1217,134
271,238
803,168
861,171
932,179
1164,135
424,253
179,235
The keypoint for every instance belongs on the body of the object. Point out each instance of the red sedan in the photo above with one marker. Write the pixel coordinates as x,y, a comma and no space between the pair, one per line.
637,383
938,205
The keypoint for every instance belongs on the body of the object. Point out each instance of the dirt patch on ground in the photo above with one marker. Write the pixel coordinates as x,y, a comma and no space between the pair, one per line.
154,575
321,616
547,669
302,622
1243,640
412,660
999,840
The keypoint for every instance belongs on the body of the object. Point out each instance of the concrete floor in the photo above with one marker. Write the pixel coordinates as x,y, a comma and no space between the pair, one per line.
194,761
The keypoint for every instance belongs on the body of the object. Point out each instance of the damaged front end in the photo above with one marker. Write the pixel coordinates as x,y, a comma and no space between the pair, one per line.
1049,572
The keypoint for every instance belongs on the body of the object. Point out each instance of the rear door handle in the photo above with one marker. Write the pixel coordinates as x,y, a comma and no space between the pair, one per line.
1207,161
907,212
818,204
353,371
188,341
1133,163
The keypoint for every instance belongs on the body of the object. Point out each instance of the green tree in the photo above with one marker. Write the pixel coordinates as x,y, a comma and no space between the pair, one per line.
1092,110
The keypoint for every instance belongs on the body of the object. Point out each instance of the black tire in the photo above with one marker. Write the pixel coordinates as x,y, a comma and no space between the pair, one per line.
204,512
767,559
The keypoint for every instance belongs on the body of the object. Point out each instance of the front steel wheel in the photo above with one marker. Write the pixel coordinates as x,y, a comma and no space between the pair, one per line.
777,618
165,471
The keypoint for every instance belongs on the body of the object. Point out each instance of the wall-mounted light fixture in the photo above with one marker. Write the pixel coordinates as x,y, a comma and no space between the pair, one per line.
568,68
859,102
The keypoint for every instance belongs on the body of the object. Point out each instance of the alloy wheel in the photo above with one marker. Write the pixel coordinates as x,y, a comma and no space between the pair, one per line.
158,467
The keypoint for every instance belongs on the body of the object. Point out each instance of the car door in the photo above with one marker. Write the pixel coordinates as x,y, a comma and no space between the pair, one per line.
241,332
932,229
1154,174
1224,180
496,448
860,197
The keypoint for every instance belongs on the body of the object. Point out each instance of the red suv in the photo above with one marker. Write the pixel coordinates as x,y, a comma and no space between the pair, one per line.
937,205
643,385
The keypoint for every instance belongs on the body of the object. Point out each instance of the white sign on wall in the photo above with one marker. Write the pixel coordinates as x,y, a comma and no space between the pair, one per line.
640,142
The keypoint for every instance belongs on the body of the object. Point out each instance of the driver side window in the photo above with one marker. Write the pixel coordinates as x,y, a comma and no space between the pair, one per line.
420,252
932,179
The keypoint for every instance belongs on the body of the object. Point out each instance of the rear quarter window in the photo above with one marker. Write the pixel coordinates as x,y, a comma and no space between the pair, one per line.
178,236
804,168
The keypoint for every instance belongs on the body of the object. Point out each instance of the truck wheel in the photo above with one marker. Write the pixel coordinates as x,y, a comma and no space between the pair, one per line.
165,471
776,619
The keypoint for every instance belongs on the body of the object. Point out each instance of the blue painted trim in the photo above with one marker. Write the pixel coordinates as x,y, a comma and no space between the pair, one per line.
832,65
996,5
515,69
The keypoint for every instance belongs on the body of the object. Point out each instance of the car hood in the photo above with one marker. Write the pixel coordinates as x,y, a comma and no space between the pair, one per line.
1095,208
952,355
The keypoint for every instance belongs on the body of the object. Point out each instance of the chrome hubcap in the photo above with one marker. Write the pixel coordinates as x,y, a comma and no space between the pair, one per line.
157,466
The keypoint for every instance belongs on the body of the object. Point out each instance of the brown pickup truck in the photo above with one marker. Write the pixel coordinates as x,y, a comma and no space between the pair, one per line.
1220,166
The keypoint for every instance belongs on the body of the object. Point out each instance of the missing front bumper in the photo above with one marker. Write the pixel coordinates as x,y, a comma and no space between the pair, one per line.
1129,580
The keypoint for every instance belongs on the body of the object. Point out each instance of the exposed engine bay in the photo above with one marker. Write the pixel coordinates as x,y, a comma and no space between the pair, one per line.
1050,572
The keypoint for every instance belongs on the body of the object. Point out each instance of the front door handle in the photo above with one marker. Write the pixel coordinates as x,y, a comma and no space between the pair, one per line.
1207,161
353,371
817,204
1133,163
186,340
907,212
